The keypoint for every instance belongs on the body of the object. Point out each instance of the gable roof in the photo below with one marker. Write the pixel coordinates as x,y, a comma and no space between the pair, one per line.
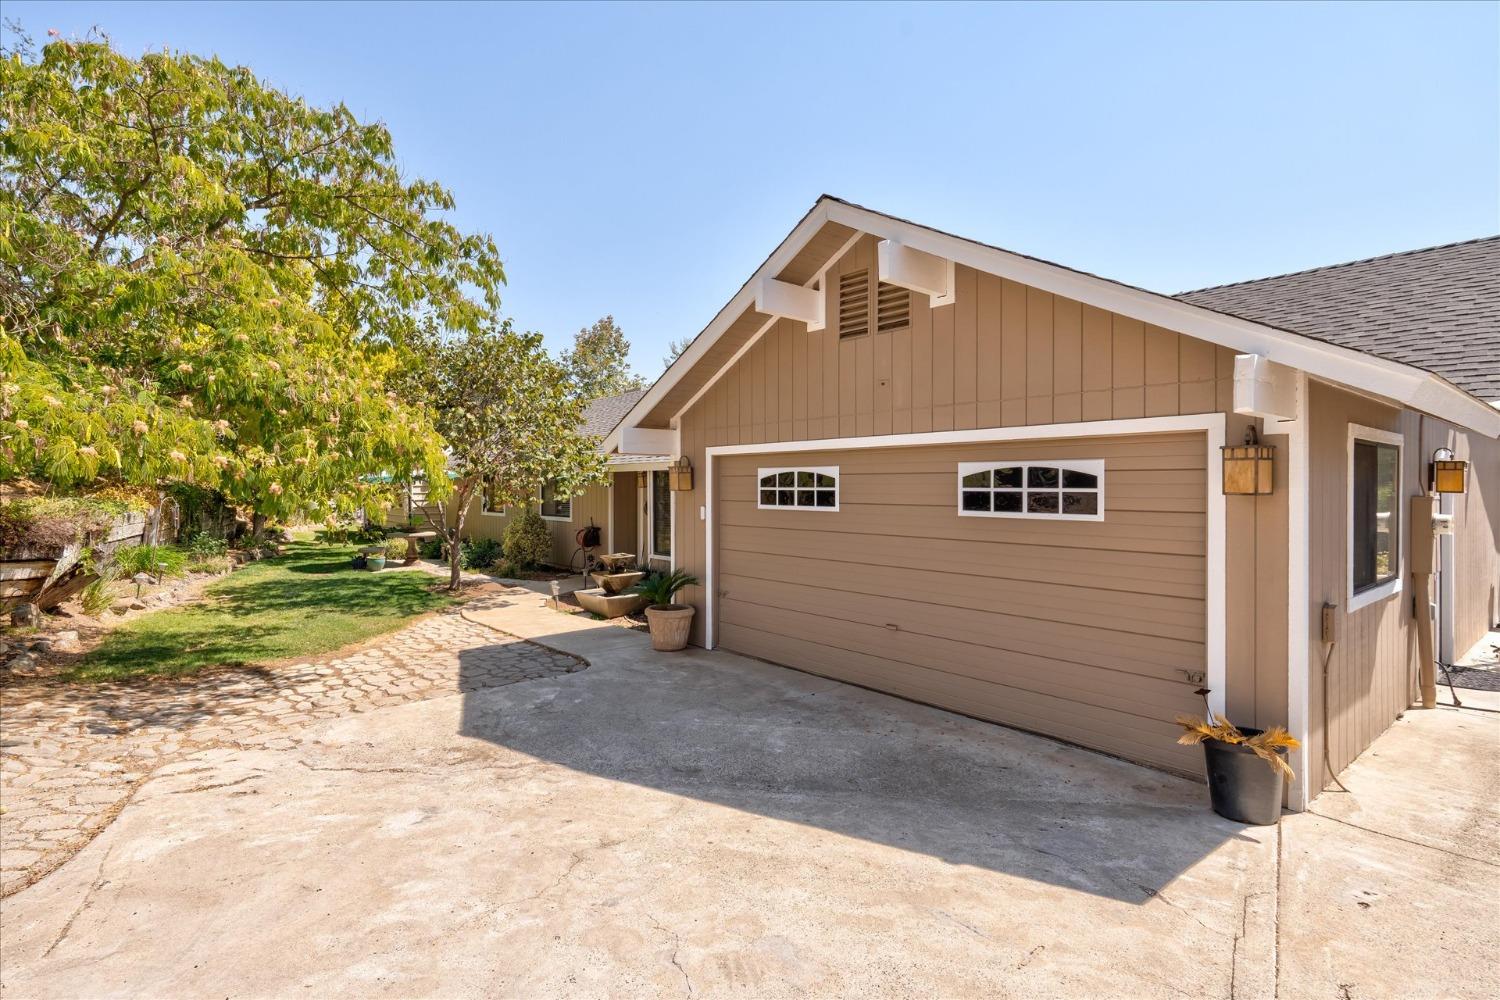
822,236
1437,309
601,415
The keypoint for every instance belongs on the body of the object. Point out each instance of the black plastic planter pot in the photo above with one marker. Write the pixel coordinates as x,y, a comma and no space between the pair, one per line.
1241,785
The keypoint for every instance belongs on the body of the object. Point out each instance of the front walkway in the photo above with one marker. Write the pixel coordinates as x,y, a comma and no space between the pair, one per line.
72,754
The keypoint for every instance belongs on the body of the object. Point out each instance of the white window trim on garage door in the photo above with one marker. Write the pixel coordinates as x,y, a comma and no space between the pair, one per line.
1212,424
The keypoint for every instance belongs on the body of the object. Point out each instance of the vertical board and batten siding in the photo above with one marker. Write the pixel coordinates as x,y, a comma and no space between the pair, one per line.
1083,630
1372,667
1003,355
1476,524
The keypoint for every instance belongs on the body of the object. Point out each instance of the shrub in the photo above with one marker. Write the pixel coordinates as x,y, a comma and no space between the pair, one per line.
528,543
205,546
164,559
97,596
479,553
430,548
395,550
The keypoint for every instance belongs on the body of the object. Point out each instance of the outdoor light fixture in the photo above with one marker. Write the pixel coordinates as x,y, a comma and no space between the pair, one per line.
1248,466
1448,474
681,478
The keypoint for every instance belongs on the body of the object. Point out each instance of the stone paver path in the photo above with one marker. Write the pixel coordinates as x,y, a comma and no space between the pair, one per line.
72,754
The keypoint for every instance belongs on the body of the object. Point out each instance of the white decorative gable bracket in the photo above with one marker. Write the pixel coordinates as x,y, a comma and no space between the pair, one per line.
784,299
917,270
1263,388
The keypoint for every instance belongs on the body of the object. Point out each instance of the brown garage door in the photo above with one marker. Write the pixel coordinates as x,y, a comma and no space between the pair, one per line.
1081,629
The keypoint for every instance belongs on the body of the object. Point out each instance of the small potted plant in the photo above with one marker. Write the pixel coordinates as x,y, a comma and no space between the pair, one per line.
375,560
669,622
1247,768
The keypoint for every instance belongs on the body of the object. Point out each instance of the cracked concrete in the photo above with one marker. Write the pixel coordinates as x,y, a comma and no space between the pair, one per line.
699,824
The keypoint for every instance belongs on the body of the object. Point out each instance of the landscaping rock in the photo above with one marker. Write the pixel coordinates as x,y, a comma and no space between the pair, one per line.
66,641
24,665
23,614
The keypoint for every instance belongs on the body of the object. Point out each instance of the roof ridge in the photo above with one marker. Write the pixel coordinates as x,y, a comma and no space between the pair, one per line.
1341,264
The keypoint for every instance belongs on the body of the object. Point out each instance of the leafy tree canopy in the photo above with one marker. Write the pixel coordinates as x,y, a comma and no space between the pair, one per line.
599,361
205,278
512,419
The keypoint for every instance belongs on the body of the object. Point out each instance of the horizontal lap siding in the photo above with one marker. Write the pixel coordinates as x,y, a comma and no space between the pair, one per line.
1082,630
593,505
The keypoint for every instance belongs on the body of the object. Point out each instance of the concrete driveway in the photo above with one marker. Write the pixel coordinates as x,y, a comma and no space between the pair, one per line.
699,824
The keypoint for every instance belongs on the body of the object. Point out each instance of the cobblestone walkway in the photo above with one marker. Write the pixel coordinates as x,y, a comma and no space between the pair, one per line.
72,754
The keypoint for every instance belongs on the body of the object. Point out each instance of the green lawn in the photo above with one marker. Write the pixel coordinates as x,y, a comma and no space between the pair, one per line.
304,603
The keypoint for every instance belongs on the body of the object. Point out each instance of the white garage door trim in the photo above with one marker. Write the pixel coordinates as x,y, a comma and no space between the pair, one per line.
1212,424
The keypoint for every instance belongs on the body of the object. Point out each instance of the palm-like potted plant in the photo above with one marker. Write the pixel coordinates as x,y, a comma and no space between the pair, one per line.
1246,767
669,621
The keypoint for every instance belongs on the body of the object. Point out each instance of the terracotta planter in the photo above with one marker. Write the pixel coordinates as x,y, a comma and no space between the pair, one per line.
669,626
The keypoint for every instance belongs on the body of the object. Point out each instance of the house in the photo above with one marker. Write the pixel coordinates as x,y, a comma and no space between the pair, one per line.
631,509
996,485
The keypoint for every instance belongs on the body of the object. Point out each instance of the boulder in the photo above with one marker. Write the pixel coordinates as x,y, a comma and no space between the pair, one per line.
66,641
23,665
23,614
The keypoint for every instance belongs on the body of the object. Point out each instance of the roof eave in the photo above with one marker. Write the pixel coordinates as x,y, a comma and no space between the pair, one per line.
1405,384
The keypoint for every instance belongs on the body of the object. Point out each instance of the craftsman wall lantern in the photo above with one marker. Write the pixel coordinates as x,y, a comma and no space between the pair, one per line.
1448,474
1248,467
681,479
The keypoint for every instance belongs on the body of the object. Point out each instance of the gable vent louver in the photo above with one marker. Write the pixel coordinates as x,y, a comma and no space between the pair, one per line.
892,308
854,304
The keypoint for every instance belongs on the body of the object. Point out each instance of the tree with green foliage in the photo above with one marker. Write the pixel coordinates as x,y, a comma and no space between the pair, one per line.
600,361
511,418
674,351
203,278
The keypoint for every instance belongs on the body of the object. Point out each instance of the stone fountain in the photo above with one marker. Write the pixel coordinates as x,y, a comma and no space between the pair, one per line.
611,598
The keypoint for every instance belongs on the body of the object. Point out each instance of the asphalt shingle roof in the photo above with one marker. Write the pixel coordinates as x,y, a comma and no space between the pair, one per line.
1437,309
601,415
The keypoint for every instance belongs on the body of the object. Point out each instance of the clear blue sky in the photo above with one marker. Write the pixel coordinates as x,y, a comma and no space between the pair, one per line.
643,160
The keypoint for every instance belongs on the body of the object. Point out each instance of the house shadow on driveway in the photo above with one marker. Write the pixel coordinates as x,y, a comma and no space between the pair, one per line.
793,747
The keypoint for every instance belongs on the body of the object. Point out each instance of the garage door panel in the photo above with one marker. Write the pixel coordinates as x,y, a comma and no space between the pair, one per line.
1089,684
1141,653
1150,573
1113,732
1124,531
1086,630
1178,617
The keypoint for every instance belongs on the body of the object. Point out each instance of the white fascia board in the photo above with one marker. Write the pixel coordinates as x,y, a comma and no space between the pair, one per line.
1410,386
646,441
789,301
916,270
1262,388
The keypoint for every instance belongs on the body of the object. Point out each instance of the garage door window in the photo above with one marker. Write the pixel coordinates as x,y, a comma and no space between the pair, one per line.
1059,491
807,489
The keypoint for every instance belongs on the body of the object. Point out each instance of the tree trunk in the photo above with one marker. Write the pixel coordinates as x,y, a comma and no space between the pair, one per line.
257,526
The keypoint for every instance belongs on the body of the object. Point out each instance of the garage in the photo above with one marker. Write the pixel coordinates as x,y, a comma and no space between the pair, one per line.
1057,586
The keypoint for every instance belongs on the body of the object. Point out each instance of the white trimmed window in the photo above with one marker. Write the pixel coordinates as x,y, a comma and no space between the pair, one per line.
555,508
1056,490
798,489
1374,515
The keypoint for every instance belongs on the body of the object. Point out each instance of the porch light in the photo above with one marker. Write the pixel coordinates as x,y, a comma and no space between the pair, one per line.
680,479
1248,467
1448,474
